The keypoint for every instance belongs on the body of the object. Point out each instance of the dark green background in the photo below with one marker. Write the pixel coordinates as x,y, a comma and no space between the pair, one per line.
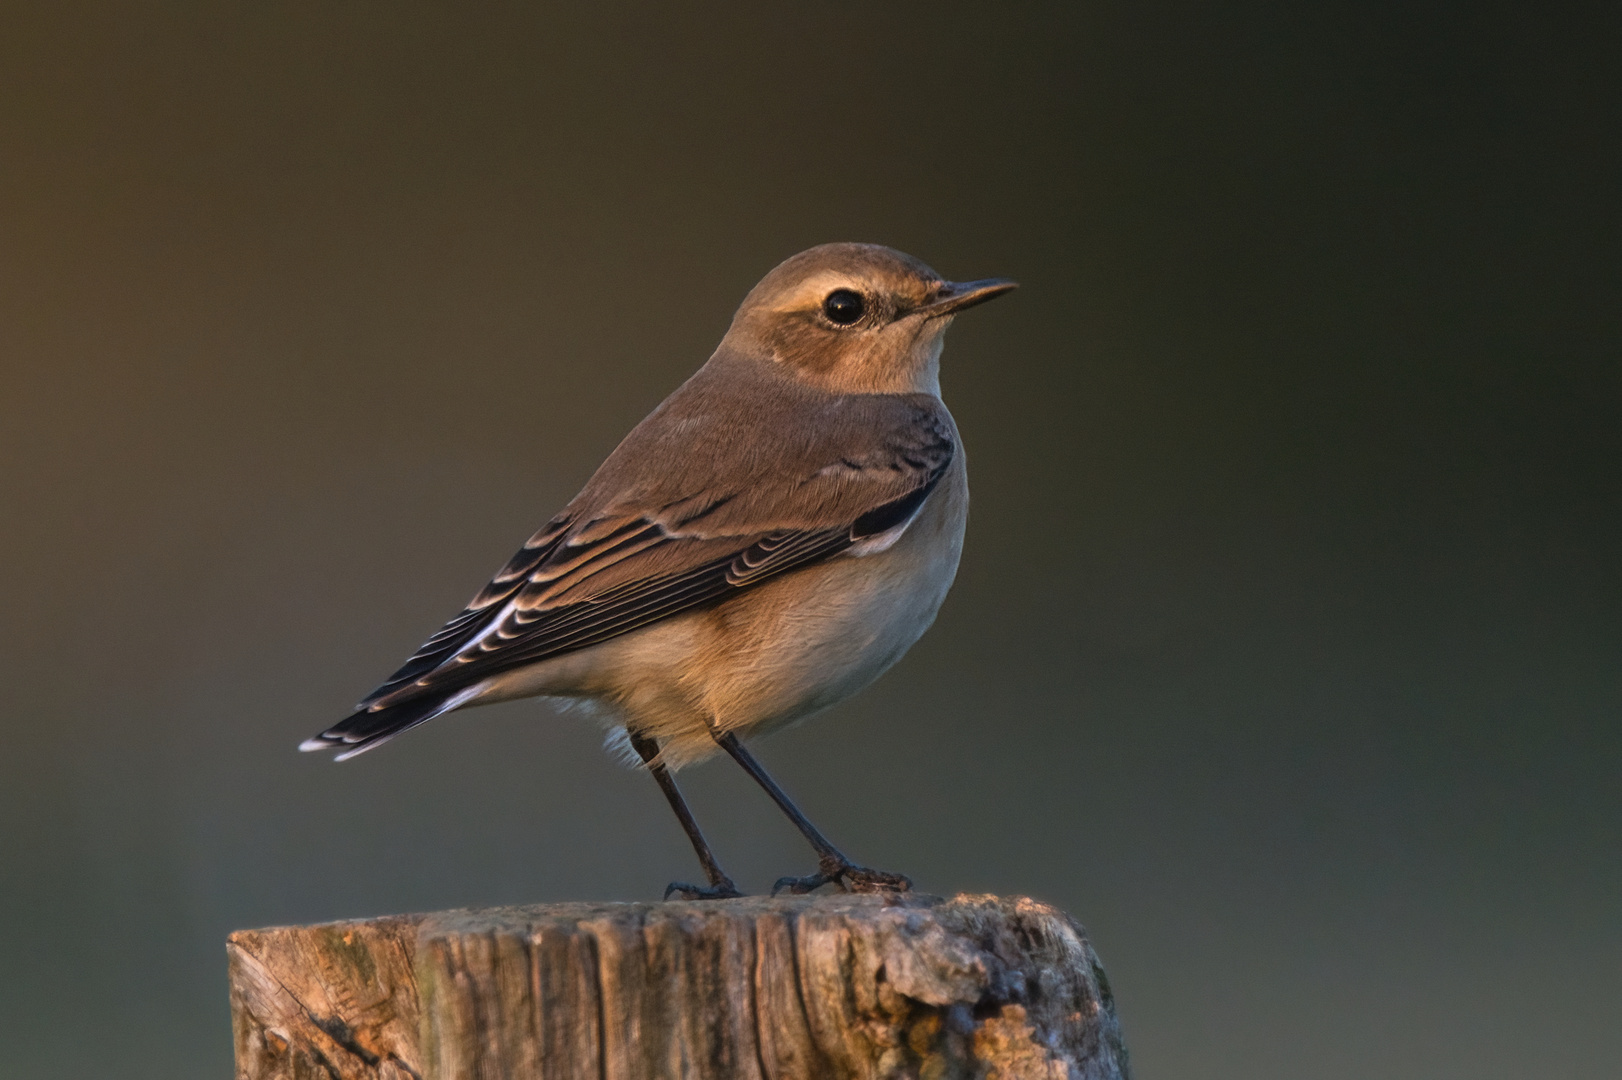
1285,648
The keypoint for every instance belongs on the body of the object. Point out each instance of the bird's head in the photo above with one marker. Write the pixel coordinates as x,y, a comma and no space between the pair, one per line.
856,318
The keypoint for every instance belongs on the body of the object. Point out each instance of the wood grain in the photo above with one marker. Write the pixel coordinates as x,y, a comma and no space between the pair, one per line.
753,989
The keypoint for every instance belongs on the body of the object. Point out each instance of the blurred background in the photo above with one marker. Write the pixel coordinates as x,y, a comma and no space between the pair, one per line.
1284,652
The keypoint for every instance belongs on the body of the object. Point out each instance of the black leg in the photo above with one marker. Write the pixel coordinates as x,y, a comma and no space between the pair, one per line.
721,886
832,865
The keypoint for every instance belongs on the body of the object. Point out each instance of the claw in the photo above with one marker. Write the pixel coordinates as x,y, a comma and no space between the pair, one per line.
801,885
863,880
849,877
724,891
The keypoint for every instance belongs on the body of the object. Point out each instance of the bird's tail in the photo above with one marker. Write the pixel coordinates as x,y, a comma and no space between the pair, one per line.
363,730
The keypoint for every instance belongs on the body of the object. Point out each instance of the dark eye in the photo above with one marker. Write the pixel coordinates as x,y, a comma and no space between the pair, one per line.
843,307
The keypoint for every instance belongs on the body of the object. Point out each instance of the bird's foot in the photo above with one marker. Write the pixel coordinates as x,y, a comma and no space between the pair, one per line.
722,890
848,876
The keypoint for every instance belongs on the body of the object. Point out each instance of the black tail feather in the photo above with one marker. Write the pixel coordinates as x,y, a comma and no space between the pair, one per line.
362,731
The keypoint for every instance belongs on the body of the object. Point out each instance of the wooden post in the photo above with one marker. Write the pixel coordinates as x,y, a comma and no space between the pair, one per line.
752,989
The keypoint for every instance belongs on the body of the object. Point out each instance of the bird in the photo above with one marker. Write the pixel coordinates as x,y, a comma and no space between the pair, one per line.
767,542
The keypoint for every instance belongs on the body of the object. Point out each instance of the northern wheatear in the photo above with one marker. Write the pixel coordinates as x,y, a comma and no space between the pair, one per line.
766,543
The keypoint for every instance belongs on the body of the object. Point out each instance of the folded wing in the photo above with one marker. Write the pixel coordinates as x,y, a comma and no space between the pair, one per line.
639,545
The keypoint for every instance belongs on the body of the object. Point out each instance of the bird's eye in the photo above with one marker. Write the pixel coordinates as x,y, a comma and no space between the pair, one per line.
843,307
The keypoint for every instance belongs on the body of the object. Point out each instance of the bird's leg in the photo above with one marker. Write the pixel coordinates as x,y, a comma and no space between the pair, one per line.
832,865
721,886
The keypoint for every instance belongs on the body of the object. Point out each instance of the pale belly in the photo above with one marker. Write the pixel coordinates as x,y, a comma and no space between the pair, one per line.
775,654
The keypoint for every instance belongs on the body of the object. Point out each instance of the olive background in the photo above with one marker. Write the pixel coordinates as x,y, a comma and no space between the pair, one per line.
1284,653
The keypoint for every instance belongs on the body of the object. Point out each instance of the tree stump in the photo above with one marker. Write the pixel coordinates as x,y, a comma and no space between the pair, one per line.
751,989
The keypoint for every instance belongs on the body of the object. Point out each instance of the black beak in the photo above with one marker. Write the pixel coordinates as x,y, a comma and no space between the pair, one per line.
954,296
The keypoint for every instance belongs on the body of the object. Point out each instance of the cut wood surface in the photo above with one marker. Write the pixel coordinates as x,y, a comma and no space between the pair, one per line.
757,988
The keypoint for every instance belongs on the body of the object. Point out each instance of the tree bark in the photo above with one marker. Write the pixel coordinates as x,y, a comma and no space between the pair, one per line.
754,989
